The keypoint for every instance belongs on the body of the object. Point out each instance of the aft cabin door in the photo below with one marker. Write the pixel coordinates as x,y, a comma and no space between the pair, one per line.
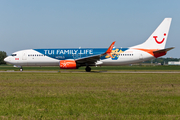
24,57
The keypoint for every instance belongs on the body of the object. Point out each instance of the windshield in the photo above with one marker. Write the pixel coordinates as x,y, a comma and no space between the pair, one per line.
13,54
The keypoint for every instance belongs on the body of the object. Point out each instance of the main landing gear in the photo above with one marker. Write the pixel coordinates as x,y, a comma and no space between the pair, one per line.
88,69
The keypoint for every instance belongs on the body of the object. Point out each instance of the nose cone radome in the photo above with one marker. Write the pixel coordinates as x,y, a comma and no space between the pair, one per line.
6,59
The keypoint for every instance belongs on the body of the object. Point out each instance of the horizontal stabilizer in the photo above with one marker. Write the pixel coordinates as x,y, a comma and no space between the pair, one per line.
163,50
159,53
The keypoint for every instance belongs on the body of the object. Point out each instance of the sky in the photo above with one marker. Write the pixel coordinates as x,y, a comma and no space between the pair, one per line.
32,24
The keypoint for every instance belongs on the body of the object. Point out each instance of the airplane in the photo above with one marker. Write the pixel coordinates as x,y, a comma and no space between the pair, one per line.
73,58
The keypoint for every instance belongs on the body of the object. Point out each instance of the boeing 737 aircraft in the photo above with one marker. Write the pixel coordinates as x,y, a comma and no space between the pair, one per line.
72,58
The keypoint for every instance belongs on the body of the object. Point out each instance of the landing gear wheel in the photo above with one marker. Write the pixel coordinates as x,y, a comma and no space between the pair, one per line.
21,69
88,69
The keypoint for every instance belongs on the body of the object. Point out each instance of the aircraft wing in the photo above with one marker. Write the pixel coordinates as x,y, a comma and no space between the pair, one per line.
163,50
92,59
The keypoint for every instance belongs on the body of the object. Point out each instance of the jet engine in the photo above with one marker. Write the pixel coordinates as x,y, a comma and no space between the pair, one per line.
68,64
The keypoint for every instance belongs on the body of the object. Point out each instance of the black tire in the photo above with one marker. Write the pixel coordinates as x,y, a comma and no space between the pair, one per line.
88,69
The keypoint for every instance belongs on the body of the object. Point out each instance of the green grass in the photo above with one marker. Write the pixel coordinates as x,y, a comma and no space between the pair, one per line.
103,68
89,96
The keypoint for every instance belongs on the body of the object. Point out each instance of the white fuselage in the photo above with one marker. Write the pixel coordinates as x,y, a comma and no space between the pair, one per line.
33,58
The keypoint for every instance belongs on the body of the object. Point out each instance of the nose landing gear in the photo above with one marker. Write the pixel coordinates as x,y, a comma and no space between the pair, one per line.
21,69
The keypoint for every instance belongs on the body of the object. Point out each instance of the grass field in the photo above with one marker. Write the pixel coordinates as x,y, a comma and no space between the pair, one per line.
89,96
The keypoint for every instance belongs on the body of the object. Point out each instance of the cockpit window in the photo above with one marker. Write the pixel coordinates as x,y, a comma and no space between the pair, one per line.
13,54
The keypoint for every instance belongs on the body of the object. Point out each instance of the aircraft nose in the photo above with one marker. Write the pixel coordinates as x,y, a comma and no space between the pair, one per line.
6,59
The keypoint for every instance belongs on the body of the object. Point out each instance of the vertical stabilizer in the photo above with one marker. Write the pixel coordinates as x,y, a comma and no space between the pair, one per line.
158,38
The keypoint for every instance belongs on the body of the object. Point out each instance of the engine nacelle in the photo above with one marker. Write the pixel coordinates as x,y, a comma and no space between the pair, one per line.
68,64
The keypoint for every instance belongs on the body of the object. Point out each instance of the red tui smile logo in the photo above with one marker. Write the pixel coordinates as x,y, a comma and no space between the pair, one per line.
155,37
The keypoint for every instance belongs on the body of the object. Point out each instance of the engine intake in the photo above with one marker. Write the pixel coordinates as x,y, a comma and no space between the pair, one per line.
68,64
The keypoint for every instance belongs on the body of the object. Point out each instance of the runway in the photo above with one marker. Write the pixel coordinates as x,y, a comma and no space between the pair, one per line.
163,72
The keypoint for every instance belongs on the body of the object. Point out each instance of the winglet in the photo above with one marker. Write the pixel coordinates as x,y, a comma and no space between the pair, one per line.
110,48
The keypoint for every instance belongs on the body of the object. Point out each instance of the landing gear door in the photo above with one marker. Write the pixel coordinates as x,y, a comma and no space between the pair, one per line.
24,56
